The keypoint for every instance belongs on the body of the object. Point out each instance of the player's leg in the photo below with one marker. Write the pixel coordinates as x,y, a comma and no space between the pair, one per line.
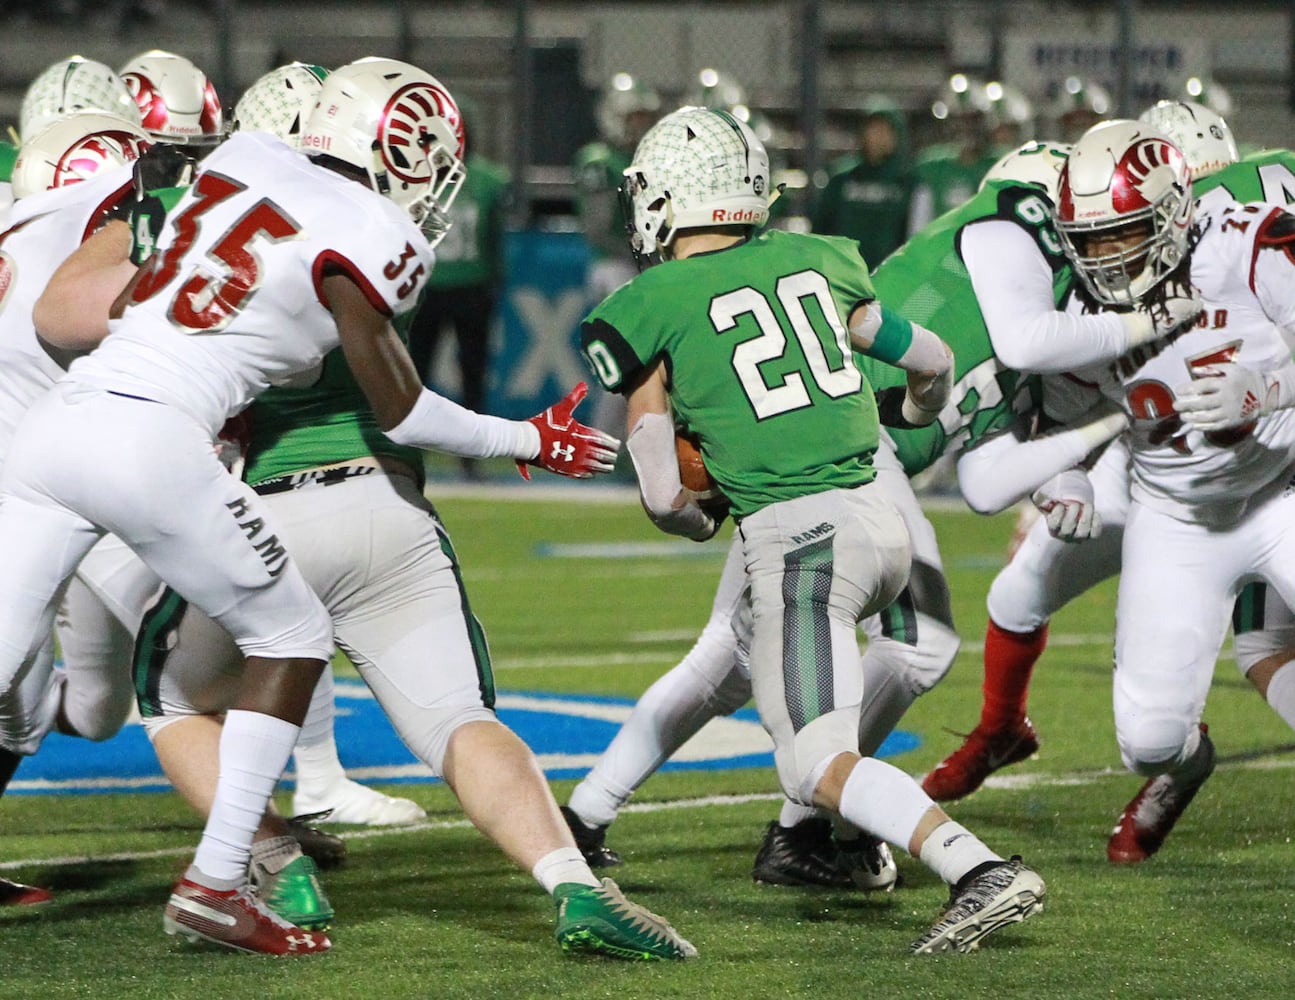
1043,576
1263,629
705,683
442,708
1176,589
807,597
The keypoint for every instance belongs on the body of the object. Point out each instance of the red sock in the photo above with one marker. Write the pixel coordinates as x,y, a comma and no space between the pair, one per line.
1009,663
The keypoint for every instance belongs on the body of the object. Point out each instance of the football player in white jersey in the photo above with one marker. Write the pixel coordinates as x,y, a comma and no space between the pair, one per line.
441,714
270,261
1212,443
68,175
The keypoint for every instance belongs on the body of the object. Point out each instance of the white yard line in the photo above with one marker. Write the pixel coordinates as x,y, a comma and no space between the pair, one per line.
1002,782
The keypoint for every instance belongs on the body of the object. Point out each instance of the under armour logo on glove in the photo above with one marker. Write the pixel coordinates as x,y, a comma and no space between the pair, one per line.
567,446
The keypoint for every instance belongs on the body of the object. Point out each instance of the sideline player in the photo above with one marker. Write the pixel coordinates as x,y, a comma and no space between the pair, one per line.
822,548
349,502
333,261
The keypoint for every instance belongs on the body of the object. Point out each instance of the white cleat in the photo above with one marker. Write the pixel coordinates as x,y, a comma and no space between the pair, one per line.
351,802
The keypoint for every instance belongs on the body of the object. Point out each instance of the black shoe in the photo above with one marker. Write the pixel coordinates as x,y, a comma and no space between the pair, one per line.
804,854
590,841
326,849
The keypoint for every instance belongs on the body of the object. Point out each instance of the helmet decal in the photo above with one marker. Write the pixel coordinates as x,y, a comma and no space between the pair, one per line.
1145,166
400,128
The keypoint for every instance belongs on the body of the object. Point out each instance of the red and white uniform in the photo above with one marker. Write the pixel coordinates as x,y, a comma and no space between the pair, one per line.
1210,511
124,443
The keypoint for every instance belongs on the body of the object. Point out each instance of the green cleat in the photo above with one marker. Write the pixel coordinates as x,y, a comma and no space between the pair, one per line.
600,920
294,893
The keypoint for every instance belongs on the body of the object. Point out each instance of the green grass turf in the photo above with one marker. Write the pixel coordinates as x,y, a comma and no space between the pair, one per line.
439,913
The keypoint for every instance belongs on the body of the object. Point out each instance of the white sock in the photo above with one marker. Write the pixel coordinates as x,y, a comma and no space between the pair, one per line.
668,714
566,864
1281,692
315,754
882,800
275,853
952,850
254,749
792,813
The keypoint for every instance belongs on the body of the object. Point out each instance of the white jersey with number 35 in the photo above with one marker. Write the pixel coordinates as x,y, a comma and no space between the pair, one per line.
1244,269
233,300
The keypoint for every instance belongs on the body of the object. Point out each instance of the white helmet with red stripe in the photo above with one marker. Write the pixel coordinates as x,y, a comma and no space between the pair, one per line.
75,148
1124,183
176,101
401,128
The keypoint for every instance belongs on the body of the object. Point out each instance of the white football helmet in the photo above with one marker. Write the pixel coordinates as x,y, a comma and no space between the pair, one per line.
176,101
624,100
1203,136
1078,105
695,167
280,102
72,85
1121,175
1033,163
1206,91
398,125
74,148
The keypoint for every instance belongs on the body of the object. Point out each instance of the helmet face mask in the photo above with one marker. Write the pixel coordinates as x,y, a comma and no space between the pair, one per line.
72,86
74,149
280,102
400,128
176,101
696,168
1124,210
1200,133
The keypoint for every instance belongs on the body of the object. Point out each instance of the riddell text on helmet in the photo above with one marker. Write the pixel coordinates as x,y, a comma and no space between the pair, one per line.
735,215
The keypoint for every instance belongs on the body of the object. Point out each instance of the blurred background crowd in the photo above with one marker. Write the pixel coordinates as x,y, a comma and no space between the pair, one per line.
879,115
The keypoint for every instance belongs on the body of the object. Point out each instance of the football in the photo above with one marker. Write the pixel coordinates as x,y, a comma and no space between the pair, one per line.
693,473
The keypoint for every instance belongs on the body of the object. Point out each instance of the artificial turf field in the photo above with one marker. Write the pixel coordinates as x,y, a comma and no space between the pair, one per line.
436,911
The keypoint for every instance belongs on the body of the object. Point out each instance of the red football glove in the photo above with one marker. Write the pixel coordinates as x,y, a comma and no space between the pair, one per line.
567,446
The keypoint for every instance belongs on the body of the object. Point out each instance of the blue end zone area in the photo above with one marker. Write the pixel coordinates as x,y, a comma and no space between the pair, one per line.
567,732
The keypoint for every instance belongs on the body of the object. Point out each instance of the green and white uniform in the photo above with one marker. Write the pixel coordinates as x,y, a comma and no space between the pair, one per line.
8,156
759,366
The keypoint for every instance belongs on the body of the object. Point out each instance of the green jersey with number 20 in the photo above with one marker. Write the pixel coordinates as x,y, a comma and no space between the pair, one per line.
758,361
926,282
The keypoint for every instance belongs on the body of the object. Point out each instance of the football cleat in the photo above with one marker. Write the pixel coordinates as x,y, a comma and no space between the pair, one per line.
869,864
804,854
327,850
599,920
590,840
1147,820
17,894
1005,892
295,894
350,802
235,918
982,753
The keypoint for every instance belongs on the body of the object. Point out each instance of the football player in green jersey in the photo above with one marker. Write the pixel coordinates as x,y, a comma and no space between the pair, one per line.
747,341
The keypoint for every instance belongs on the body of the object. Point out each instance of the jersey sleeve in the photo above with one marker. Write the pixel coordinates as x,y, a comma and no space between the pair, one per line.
1014,286
616,339
1272,272
386,255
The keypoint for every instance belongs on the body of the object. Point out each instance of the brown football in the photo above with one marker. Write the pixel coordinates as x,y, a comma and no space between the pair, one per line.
693,473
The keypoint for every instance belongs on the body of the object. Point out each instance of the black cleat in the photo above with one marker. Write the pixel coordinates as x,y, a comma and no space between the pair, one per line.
325,849
591,841
804,854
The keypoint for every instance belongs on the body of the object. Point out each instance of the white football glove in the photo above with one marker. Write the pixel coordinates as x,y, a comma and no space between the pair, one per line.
1162,319
1066,500
1224,396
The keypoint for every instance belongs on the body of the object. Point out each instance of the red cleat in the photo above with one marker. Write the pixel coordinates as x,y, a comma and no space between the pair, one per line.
236,919
981,754
1147,820
17,894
